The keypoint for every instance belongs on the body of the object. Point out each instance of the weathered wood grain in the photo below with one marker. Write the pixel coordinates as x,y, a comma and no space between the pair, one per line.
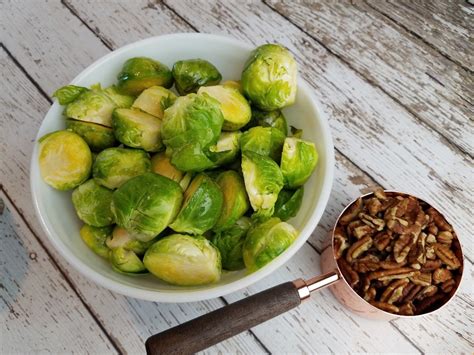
433,88
131,321
446,25
39,312
368,127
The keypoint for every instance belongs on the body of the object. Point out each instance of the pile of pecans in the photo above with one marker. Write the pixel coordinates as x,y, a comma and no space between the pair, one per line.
398,253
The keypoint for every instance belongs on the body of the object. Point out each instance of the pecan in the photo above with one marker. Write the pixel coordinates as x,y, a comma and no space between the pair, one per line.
380,194
384,306
389,265
399,273
441,275
352,226
351,212
418,251
444,237
439,220
428,291
382,240
358,248
340,242
448,285
431,265
447,256
410,296
432,229
402,248
428,302
361,231
431,239
407,309
376,223
370,294
430,252
374,206
349,274
367,263
394,291
423,279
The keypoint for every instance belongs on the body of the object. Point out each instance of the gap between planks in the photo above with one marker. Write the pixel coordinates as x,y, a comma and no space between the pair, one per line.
55,264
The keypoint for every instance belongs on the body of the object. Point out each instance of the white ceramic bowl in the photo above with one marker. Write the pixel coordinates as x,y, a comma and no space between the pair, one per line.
55,210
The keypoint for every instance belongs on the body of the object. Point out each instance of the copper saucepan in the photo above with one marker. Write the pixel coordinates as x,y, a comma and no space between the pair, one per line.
207,330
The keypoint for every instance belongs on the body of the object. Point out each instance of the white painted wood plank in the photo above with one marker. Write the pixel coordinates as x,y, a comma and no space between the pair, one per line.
39,312
446,25
128,321
371,129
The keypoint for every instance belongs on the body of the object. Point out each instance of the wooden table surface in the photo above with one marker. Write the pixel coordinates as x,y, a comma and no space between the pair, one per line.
396,80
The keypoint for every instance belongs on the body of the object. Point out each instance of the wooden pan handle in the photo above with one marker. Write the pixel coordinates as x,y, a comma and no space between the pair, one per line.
225,322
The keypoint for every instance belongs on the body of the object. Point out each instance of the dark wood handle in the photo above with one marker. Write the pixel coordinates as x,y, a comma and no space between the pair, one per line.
225,322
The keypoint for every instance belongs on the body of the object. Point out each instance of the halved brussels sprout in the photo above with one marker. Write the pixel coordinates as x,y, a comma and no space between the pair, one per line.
96,136
298,160
266,141
233,84
274,119
121,238
120,100
227,148
126,261
192,119
93,204
68,93
234,107
184,260
269,77
137,129
191,158
265,241
201,207
92,106
263,182
114,166
140,73
230,244
191,74
95,238
161,164
146,204
288,203
155,100
65,159
236,202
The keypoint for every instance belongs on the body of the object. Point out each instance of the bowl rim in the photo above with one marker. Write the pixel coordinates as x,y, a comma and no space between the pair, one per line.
175,296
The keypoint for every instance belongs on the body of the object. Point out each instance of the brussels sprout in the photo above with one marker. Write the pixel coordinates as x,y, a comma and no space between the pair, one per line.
234,107
140,73
126,261
191,158
146,204
120,100
161,164
274,119
233,84
201,208
184,260
288,203
93,204
263,182
114,166
191,74
96,136
266,141
265,241
298,160
65,160
137,129
236,202
230,244
95,238
227,148
269,77
121,238
192,119
155,100
68,93
92,106
296,132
